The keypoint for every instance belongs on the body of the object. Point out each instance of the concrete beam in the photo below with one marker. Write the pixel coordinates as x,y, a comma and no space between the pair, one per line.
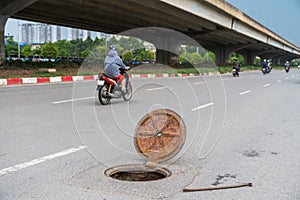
202,10
245,29
11,7
274,43
175,13
287,48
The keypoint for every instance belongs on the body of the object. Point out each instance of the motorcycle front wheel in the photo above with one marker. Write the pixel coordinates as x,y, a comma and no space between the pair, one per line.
128,94
104,99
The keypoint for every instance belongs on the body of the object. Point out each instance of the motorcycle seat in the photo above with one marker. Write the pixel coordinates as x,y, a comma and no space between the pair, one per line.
111,77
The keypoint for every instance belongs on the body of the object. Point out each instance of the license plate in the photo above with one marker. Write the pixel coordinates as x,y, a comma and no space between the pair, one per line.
100,82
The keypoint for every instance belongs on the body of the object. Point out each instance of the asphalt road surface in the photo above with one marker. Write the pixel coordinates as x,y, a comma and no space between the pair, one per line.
57,140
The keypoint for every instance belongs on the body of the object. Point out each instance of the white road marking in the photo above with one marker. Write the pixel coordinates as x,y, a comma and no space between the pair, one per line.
267,85
70,100
245,92
158,88
40,160
201,107
196,83
279,81
287,78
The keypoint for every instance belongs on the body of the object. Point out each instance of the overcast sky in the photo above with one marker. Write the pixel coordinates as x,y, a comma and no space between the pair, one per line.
280,16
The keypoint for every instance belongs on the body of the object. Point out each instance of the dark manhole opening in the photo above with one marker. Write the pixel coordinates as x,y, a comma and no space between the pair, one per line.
138,176
135,173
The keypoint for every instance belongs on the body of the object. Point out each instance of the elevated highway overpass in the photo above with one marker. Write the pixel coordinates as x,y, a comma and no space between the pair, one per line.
215,24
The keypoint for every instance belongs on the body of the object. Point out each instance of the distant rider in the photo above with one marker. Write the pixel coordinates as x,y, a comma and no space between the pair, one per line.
237,65
112,63
287,64
265,65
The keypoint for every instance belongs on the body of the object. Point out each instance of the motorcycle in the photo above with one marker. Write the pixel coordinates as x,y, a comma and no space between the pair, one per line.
235,72
287,69
108,88
265,70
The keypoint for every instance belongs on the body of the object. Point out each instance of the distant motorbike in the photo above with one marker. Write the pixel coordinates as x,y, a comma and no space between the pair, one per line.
108,88
287,69
236,69
235,72
266,70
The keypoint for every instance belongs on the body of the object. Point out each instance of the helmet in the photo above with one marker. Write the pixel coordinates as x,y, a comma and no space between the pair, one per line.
113,47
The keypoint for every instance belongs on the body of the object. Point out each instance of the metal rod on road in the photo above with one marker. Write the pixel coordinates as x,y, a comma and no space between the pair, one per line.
217,188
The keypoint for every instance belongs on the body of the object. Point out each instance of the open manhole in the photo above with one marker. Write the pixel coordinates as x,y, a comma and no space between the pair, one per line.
159,136
137,173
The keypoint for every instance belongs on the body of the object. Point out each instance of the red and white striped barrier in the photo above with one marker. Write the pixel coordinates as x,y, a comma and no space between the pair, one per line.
59,79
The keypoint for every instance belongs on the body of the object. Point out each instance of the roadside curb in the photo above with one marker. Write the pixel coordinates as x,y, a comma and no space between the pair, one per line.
60,79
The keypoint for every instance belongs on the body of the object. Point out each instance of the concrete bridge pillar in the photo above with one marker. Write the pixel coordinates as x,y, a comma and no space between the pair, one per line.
275,61
222,54
167,50
3,20
249,57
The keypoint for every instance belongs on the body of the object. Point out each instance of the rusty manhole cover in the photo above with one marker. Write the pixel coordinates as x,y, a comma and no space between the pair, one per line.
160,135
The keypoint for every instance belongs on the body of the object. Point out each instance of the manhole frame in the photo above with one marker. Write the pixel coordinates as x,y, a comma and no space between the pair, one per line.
136,168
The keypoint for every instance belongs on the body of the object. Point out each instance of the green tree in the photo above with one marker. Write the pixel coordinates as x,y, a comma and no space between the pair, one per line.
87,43
241,59
37,51
120,49
257,60
130,43
63,47
99,42
209,57
112,40
212,56
127,56
123,42
49,50
26,51
237,57
11,47
85,53
143,56
76,47
185,58
196,58
100,52
63,52
151,55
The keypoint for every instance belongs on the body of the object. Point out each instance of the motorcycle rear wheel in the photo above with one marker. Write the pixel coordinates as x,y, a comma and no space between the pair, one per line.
104,99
